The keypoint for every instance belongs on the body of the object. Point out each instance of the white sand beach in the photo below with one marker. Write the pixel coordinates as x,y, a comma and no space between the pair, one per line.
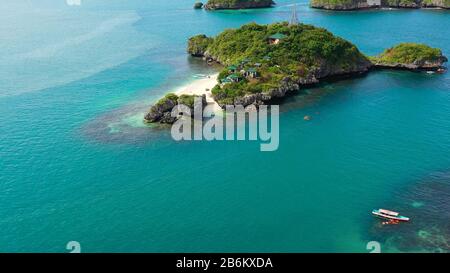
200,87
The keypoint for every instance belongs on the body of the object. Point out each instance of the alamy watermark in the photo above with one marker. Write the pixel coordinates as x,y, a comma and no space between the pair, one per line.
237,123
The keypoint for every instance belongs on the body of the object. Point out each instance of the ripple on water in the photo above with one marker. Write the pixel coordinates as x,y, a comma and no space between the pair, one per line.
125,126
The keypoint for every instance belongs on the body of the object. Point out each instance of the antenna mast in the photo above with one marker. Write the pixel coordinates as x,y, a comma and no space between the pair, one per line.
294,18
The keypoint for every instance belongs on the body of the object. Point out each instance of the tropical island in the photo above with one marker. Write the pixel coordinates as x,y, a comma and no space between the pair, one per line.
237,4
262,63
368,4
410,56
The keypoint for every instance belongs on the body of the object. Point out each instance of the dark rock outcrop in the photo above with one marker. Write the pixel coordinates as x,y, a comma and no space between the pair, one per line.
198,5
238,4
161,111
409,4
416,65
436,4
367,4
276,77
288,86
198,45
341,5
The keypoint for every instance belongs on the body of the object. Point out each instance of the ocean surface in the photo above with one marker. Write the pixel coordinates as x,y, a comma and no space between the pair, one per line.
78,164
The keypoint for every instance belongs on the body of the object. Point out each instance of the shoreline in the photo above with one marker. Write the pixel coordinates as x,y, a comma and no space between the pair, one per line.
383,8
201,87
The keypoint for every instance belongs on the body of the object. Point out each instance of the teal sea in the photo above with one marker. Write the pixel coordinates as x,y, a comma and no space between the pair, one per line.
78,164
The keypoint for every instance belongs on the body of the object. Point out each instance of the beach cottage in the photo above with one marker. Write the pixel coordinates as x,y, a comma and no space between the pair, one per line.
251,73
276,38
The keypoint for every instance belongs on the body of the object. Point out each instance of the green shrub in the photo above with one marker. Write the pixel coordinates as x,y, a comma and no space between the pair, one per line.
169,96
409,53
303,48
197,45
187,100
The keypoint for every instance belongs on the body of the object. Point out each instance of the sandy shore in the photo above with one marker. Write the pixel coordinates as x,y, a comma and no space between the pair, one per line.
200,87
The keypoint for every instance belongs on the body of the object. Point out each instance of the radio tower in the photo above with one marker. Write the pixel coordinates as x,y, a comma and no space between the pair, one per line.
294,18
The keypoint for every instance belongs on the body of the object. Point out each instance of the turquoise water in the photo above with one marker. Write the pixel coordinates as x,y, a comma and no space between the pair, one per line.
77,164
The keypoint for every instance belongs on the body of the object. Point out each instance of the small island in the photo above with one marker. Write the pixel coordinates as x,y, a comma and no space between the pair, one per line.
198,5
410,56
161,111
262,63
368,4
238,4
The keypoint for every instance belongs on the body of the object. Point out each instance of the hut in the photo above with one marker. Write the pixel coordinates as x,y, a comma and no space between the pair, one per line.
233,78
276,38
251,72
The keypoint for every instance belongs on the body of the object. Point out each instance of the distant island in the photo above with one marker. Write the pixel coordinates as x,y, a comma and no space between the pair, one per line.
237,4
367,4
411,56
198,5
265,62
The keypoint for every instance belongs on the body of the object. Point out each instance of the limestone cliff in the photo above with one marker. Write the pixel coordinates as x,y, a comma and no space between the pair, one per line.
366,4
238,4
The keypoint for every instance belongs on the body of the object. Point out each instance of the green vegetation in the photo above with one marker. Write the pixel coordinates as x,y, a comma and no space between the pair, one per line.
170,96
360,4
231,3
332,2
226,2
197,45
396,3
302,53
434,3
238,4
409,53
187,100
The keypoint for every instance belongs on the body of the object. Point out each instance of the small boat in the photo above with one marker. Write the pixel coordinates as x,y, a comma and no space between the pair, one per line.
390,215
391,222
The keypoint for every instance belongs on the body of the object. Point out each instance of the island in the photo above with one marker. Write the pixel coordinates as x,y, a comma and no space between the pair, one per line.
368,4
238,4
411,56
198,5
263,63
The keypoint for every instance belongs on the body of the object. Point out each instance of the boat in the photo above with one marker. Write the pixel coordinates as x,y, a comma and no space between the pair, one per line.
390,215
441,70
